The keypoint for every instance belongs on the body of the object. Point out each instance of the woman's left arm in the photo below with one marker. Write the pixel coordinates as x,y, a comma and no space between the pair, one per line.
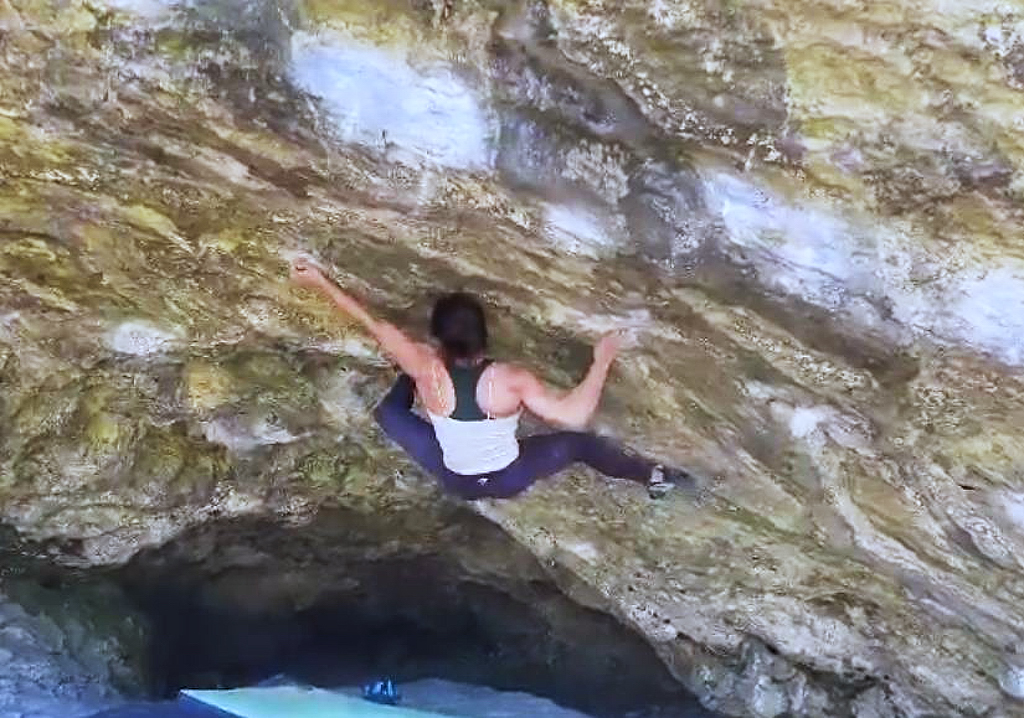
412,357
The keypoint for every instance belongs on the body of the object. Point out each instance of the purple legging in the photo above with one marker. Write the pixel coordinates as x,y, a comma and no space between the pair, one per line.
540,456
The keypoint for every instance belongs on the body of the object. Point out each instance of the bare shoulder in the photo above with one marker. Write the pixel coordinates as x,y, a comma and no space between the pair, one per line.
427,357
513,375
428,351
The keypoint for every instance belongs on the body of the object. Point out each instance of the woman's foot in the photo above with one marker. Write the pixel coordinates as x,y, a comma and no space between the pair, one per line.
665,479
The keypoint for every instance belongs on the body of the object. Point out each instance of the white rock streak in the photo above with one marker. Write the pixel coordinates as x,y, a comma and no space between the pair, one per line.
828,260
421,114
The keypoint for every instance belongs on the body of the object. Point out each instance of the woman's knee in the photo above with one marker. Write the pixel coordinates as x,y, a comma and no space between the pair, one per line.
380,413
388,416
579,443
562,449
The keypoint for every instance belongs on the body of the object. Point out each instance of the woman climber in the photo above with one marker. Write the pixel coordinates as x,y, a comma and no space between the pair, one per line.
474,405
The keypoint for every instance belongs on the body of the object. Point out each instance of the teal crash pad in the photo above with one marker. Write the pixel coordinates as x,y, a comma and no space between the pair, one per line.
299,702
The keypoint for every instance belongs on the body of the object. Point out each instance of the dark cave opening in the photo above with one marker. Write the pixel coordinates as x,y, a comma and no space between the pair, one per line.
236,602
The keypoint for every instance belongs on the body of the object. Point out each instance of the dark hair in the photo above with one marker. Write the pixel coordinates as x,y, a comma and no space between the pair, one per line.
458,322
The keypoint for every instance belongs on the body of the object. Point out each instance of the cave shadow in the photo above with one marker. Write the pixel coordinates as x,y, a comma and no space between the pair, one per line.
349,597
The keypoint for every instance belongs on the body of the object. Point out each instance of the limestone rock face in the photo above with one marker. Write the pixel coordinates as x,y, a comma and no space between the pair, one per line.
808,214
53,663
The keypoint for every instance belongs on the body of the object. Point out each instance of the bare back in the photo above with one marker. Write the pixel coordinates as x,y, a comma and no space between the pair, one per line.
498,393
505,389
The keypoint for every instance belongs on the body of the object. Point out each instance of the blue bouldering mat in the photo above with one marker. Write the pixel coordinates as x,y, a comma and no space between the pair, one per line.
297,702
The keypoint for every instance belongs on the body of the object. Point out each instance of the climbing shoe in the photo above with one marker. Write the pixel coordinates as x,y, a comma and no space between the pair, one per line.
664,480
383,691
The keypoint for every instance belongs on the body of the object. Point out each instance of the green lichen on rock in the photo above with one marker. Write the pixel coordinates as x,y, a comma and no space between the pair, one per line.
807,214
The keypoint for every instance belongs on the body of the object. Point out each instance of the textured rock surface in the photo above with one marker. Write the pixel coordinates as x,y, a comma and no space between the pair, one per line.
69,654
808,213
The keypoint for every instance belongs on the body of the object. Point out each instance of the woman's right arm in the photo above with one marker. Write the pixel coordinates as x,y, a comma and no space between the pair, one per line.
413,358
573,409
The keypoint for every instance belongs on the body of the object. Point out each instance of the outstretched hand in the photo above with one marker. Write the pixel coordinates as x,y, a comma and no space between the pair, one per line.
306,274
608,347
